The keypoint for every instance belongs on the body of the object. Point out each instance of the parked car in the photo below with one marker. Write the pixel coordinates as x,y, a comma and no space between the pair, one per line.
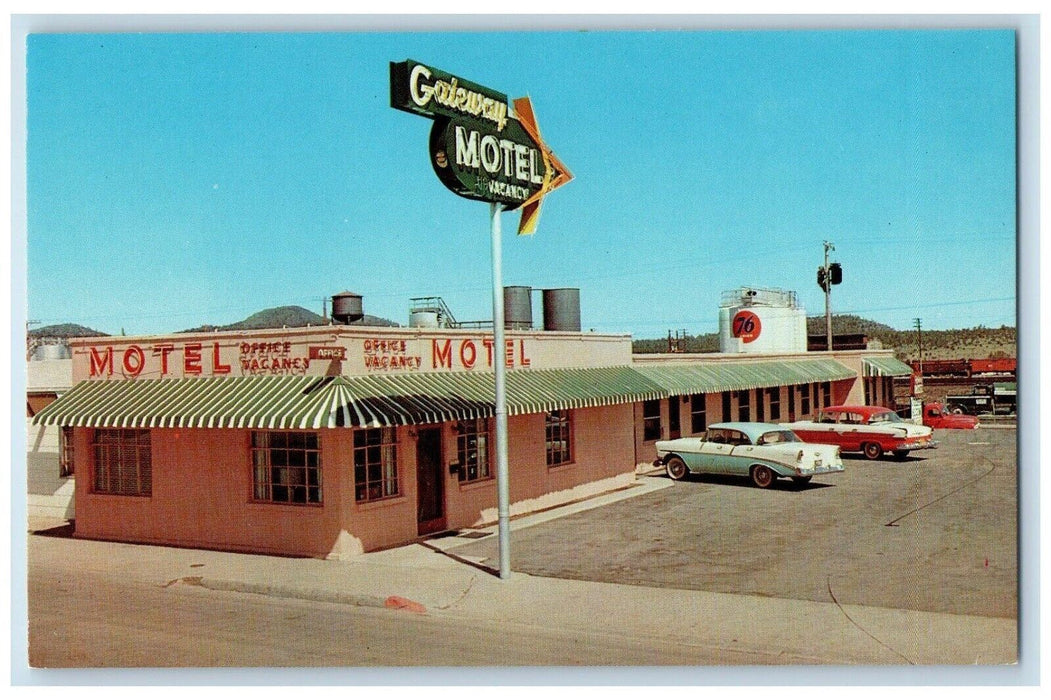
937,415
871,430
761,451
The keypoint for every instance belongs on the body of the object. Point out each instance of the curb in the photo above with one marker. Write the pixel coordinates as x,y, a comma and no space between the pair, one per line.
315,594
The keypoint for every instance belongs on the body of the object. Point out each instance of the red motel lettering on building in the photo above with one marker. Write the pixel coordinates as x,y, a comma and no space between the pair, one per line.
467,354
385,354
272,358
133,360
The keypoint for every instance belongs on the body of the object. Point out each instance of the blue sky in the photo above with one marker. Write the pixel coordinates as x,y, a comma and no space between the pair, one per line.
177,179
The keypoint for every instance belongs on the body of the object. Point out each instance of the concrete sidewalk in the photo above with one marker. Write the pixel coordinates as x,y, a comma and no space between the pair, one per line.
427,578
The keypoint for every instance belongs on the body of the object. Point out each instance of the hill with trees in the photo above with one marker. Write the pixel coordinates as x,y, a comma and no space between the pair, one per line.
968,343
277,317
65,330
287,317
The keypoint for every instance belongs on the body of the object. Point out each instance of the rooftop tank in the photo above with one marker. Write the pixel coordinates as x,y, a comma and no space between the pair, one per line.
346,307
758,320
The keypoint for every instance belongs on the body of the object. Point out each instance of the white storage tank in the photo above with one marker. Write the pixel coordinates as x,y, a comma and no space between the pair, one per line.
757,320
423,319
51,351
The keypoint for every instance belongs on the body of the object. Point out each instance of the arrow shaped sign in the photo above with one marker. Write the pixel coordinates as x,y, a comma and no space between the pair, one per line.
479,147
556,173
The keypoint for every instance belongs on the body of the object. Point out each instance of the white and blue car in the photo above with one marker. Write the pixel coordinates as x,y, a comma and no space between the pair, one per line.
761,451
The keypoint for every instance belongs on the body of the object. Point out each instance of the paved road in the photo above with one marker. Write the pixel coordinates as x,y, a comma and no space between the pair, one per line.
85,619
934,533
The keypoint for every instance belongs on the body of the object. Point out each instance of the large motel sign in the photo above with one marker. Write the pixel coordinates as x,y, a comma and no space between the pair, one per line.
479,147
482,149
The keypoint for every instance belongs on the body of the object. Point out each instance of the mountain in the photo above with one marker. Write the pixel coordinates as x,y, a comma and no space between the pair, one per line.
286,317
65,330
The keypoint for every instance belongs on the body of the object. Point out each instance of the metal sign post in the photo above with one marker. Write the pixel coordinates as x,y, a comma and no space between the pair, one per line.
483,149
503,500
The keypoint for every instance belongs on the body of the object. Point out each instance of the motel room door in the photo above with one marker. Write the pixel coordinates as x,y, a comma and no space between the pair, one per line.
430,481
674,418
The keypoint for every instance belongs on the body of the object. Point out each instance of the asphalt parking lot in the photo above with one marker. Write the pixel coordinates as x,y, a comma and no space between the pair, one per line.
936,532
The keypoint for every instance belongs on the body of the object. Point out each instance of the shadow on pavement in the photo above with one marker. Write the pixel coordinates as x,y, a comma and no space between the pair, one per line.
481,567
64,530
745,482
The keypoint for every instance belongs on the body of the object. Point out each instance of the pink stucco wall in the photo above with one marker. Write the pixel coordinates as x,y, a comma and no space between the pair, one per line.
202,489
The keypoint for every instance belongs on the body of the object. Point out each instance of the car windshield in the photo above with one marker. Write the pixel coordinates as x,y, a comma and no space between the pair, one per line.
777,436
888,417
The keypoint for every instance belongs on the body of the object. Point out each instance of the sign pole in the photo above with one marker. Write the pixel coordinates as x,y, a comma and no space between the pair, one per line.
484,149
500,348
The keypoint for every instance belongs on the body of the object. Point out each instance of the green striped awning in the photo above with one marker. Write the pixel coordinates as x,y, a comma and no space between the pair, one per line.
705,377
213,402
435,397
885,367
333,402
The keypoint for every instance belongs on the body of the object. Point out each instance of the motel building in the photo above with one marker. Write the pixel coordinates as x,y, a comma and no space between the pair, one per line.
335,440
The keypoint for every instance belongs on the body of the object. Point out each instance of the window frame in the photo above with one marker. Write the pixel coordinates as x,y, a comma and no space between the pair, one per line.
123,444
478,428
737,438
389,484
264,445
744,408
651,423
774,394
562,422
66,464
702,413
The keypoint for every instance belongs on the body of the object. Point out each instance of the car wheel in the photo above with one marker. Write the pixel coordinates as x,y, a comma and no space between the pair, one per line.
901,454
872,450
957,410
801,480
676,469
763,477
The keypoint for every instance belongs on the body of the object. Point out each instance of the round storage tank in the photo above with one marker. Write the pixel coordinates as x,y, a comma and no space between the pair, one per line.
562,309
53,351
346,307
518,308
762,329
423,319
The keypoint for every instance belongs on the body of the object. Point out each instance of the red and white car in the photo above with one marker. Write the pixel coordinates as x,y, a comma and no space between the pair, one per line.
871,430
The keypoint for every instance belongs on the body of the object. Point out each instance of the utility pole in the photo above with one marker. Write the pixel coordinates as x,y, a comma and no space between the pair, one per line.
828,275
919,341
918,380
828,297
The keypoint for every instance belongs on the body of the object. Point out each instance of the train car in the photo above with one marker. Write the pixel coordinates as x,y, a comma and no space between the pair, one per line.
943,368
998,366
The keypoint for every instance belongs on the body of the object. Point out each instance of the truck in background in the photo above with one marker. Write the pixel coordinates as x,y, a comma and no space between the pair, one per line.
1000,398
938,416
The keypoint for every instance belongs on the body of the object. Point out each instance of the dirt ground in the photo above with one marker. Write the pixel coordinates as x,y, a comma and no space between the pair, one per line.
936,532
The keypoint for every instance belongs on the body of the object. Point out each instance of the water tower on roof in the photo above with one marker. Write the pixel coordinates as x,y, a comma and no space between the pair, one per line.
346,307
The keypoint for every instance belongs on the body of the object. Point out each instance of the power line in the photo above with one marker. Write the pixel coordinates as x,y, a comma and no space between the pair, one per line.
929,306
